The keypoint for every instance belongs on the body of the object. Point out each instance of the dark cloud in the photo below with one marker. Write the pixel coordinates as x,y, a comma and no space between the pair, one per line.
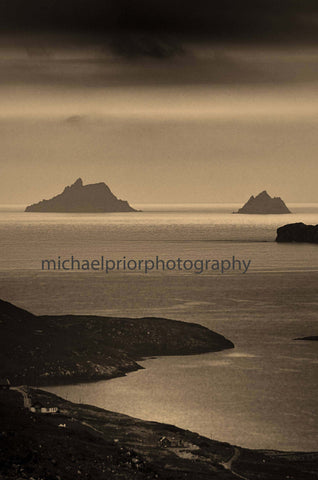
224,20
139,45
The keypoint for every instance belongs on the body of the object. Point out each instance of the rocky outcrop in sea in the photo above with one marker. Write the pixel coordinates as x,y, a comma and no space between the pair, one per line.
264,204
79,198
297,232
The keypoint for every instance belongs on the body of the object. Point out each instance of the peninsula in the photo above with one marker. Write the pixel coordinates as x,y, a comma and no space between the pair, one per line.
83,348
79,198
264,204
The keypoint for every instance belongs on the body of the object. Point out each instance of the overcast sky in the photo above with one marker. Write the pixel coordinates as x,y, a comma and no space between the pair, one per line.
180,102
226,19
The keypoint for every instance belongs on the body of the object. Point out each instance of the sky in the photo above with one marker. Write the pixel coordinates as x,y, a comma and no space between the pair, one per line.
163,101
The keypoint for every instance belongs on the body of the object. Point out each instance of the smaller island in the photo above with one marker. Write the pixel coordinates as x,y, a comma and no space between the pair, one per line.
297,232
264,204
79,198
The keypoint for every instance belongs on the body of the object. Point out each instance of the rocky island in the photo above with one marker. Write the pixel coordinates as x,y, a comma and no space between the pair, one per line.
297,232
82,348
264,204
79,198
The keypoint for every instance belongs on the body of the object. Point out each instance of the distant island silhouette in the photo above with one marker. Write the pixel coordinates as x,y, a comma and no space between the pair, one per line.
264,204
92,198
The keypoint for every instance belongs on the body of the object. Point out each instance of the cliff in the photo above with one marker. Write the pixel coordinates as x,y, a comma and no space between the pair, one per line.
42,350
264,204
96,197
297,232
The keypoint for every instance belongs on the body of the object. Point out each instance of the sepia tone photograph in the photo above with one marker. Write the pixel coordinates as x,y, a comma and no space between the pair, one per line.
159,236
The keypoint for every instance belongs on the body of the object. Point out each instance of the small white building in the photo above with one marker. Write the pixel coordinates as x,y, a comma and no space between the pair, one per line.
39,408
49,410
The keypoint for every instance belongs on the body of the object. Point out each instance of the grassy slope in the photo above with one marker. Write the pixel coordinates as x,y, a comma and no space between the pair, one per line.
97,444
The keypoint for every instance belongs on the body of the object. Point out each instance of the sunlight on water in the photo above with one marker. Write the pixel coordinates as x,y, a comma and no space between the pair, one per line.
189,231
263,393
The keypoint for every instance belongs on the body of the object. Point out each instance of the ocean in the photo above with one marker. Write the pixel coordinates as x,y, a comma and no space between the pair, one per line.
262,394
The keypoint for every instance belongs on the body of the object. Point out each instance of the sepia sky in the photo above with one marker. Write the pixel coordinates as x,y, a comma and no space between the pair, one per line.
180,102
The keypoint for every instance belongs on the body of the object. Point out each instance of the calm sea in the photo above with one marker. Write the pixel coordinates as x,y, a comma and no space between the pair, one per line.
263,393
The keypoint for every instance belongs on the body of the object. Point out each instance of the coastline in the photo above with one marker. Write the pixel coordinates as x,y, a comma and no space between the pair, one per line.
99,443
82,441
